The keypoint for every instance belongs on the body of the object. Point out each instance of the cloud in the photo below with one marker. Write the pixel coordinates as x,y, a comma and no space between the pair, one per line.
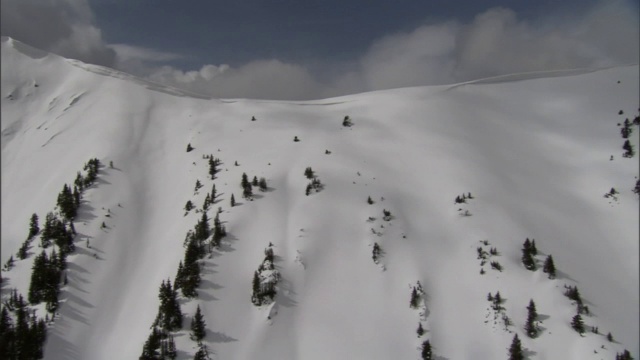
268,79
64,27
495,42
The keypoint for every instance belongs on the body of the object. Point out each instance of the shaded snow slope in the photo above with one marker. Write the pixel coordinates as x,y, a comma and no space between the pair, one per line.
534,153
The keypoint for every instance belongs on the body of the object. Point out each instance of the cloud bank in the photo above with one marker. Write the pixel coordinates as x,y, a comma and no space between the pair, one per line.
495,42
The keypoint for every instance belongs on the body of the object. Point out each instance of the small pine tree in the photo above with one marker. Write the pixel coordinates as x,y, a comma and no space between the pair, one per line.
515,350
527,256
189,147
577,324
532,316
295,139
188,206
415,298
376,252
628,148
369,200
308,172
609,337
420,330
549,267
262,184
198,330
254,182
34,229
426,350
534,249
233,201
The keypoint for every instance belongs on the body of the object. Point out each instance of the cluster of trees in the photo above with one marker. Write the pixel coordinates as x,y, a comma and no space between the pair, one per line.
160,344
46,278
265,280
625,355
463,199
346,122
314,185
22,335
58,231
247,186
496,301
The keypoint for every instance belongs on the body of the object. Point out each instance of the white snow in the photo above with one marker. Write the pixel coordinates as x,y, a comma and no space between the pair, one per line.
533,150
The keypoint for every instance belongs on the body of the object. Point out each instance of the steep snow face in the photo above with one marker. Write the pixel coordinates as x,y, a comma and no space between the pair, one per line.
533,152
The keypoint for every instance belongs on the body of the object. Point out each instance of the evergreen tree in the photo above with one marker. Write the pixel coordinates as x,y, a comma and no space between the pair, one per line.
188,206
625,355
420,330
577,324
515,351
262,184
308,172
609,337
254,182
150,350
169,316
233,201
245,181
376,252
198,330
202,230
426,350
247,193
189,147
549,267
415,298
534,250
23,250
202,353
527,256
256,297
532,316
369,200
628,148
170,348
34,229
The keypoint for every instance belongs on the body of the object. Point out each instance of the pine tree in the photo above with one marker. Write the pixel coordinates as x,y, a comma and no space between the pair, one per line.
188,206
628,148
202,353
233,201
609,337
189,147
376,252
262,184
34,229
170,348
415,298
150,350
256,297
420,330
426,350
549,267
254,182
515,351
198,330
308,172
527,256
369,200
625,355
532,316
534,250
577,324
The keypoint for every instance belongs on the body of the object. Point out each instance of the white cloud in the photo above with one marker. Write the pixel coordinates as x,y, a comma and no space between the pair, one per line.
64,27
495,42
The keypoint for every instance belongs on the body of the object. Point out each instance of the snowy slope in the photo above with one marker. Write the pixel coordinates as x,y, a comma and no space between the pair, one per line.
533,150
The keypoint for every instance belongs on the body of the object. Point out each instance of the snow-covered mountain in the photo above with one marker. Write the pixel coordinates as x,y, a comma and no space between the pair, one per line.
534,150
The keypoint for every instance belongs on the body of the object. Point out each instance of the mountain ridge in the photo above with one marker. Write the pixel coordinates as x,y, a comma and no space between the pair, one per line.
534,154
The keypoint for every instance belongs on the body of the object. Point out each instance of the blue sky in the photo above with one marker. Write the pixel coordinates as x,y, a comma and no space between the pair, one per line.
285,49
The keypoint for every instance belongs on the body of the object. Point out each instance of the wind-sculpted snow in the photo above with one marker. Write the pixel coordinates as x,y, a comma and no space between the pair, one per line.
535,154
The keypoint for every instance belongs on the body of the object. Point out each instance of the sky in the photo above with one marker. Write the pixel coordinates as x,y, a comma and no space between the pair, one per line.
292,50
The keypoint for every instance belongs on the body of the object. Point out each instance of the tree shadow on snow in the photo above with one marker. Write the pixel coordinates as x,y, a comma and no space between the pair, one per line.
85,213
219,337
528,353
